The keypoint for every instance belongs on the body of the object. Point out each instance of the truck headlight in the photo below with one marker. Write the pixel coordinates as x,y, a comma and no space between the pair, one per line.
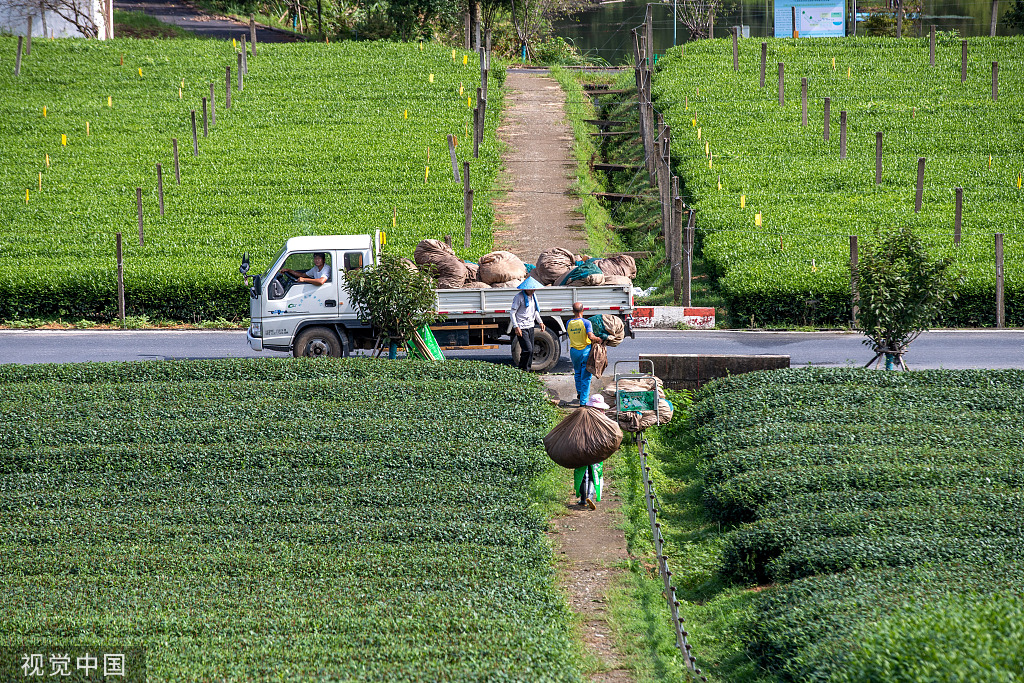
256,329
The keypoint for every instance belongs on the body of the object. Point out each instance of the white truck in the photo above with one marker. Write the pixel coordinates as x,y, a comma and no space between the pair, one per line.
307,319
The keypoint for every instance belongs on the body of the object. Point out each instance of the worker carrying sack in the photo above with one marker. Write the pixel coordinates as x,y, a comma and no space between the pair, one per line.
585,437
597,361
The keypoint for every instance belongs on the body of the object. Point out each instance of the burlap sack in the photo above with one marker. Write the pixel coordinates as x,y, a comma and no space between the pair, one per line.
553,264
501,266
621,264
614,328
630,385
471,271
410,264
634,422
621,280
438,259
597,361
511,284
473,284
585,437
595,280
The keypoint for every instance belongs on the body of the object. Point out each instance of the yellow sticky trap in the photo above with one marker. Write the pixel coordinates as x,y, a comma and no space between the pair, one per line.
469,101
462,91
743,201
47,161
179,93
719,183
406,113
431,79
140,70
707,148
710,160
384,239
757,219
694,121
814,266
182,83
698,136
63,140
44,112
847,72
833,63
990,161
426,175
465,59
26,195
110,101
1019,178
394,223
87,133
421,46
453,55
234,43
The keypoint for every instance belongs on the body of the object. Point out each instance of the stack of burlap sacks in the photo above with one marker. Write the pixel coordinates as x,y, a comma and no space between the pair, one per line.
497,269
635,421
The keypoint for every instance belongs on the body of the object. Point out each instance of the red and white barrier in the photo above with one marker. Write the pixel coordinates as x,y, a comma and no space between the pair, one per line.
669,317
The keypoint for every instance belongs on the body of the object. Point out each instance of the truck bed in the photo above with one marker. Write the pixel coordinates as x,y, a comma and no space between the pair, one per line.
481,303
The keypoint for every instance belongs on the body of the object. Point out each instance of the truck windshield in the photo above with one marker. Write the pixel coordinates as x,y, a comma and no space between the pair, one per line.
273,264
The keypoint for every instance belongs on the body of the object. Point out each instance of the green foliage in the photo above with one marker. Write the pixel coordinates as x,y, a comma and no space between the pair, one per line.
1014,17
902,290
864,493
282,519
317,143
395,299
794,268
959,638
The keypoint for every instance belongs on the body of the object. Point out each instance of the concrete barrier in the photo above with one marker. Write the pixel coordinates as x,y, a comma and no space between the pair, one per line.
649,317
691,370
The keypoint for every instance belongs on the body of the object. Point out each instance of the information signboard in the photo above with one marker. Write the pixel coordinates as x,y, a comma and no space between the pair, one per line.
814,18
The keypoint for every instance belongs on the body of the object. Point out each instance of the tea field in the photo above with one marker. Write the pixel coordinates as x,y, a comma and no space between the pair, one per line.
282,520
324,139
776,204
882,514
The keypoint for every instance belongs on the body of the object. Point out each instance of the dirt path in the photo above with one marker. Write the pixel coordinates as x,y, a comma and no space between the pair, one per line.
591,547
538,212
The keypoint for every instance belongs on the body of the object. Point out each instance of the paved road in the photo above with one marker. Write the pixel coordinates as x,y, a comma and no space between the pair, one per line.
942,349
202,24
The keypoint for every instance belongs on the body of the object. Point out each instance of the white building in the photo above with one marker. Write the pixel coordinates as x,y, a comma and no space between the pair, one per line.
58,18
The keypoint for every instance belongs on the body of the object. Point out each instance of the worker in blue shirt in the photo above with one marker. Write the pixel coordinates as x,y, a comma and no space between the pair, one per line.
526,315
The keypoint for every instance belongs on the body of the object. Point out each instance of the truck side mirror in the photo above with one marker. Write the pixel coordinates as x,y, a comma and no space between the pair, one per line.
244,268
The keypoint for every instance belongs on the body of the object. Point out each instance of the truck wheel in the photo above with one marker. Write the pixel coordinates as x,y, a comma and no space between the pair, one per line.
316,342
546,350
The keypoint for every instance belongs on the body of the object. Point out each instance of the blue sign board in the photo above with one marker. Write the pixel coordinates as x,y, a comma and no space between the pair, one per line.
814,18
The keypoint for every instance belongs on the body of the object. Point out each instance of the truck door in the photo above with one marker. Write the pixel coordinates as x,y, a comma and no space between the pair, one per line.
289,302
350,260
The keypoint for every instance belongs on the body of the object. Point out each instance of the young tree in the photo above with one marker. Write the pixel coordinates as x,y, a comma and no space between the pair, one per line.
902,292
396,299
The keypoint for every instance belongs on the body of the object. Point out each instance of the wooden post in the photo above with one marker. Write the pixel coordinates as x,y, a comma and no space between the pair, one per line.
782,84
241,74
160,187
803,100
252,34
195,140
854,31
206,126
995,16
899,19
711,25
138,205
1000,310
476,132
854,294
963,62
920,184
17,59
468,22
764,60
931,48
227,88
245,61
878,158
476,27
828,116
177,168
28,37
448,240
796,31
455,161
842,134
995,81
120,280
735,48
959,215
688,241
213,106
676,255
467,203
649,32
